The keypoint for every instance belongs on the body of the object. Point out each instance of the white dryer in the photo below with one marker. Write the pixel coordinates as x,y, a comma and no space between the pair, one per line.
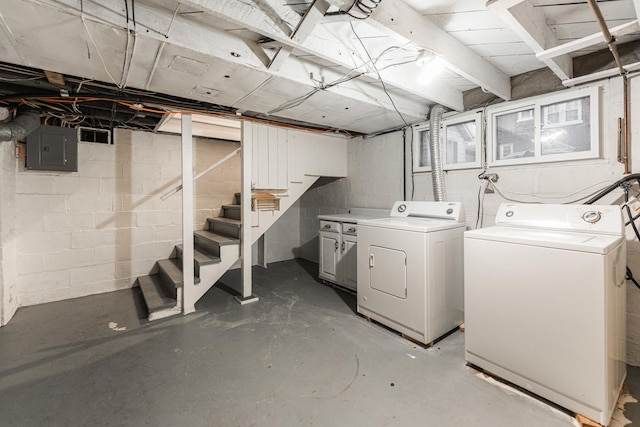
410,268
545,303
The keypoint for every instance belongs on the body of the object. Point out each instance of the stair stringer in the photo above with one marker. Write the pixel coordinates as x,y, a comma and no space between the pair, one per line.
211,273
262,220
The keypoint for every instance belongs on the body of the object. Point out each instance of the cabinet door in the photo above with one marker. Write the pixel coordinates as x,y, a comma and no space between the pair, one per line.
329,255
349,262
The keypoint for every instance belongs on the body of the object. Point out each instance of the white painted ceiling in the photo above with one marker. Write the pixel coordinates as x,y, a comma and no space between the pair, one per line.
267,58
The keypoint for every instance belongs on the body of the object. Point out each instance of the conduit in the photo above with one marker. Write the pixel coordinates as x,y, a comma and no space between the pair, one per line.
437,172
20,127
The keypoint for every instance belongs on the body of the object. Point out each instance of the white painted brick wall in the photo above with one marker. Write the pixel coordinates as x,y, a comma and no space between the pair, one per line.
9,298
97,229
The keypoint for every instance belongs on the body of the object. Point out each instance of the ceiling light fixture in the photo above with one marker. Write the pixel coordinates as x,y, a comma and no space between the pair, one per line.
431,64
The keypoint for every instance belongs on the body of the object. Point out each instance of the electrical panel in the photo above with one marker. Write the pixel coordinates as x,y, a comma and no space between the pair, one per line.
53,148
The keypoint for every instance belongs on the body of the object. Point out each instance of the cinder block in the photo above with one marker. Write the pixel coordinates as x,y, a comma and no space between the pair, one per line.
139,170
154,218
83,203
153,251
68,259
29,243
171,233
68,221
113,254
39,203
30,223
120,186
37,282
75,185
93,274
135,235
111,220
34,183
93,238
30,264
100,169
103,153
134,268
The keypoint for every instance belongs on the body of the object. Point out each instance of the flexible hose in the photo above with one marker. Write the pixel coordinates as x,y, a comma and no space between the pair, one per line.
437,172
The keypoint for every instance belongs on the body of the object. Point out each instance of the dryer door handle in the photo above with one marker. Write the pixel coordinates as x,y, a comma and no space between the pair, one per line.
371,261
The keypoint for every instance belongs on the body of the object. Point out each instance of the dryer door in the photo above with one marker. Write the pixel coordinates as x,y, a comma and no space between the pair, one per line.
388,271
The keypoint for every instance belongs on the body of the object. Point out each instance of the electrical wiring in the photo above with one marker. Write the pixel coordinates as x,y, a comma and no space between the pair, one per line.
86,29
480,213
384,87
502,191
4,79
157,108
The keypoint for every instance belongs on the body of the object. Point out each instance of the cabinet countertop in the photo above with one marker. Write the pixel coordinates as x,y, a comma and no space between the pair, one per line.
347,217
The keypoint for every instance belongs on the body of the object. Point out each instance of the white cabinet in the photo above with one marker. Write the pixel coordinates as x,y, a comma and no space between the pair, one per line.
338,262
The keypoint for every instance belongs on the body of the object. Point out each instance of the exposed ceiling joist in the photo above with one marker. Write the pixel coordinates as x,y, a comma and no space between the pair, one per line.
197,39
322,43
530,24
397,17
590,40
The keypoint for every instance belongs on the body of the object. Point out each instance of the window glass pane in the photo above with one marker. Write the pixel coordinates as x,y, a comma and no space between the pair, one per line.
566,127
425,152
515,138
461,143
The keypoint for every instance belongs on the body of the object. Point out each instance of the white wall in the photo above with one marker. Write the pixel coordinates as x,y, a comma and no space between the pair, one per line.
97,229
8,273
375,169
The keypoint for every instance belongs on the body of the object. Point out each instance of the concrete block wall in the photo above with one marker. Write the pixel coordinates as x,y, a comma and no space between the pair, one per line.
8,234
97,229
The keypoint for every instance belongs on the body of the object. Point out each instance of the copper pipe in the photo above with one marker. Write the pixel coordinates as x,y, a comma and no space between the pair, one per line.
608,38
619,156
610,41
625,151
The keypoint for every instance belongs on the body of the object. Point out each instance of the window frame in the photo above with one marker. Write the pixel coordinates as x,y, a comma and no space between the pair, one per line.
537,103
448,120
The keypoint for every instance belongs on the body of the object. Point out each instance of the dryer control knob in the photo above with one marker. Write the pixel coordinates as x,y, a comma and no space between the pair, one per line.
591,216
402,208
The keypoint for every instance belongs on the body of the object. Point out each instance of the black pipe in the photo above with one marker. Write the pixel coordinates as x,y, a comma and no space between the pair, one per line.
612,187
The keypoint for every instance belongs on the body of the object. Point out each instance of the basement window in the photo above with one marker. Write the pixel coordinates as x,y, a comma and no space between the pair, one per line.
460,138
559,127
99,136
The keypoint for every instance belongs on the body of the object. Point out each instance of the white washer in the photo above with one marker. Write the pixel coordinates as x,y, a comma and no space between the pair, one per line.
545,303
410,269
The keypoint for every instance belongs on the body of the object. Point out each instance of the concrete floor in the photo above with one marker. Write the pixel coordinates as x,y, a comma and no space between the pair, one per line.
298,357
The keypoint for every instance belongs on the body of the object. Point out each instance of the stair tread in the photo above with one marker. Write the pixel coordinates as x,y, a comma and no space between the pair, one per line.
231,206
154,293
226,220
217,238
173,268
201,256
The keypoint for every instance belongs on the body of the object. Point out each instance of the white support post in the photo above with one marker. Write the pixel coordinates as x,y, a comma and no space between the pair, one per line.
246,296
188,300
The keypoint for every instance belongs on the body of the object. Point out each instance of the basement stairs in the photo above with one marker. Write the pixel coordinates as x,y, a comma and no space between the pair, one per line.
216,249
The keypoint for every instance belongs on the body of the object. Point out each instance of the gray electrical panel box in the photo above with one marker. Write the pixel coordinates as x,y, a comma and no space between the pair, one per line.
53,148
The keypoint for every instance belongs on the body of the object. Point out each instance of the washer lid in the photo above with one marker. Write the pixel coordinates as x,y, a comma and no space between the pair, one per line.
422,225
583,242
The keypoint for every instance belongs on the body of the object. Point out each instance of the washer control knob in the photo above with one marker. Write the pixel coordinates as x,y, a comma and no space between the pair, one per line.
402,208
449,211
592,216
509,214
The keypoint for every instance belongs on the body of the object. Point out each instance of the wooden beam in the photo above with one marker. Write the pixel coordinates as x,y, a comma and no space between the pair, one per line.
529,23
330,46
54,78
398,18
590,40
